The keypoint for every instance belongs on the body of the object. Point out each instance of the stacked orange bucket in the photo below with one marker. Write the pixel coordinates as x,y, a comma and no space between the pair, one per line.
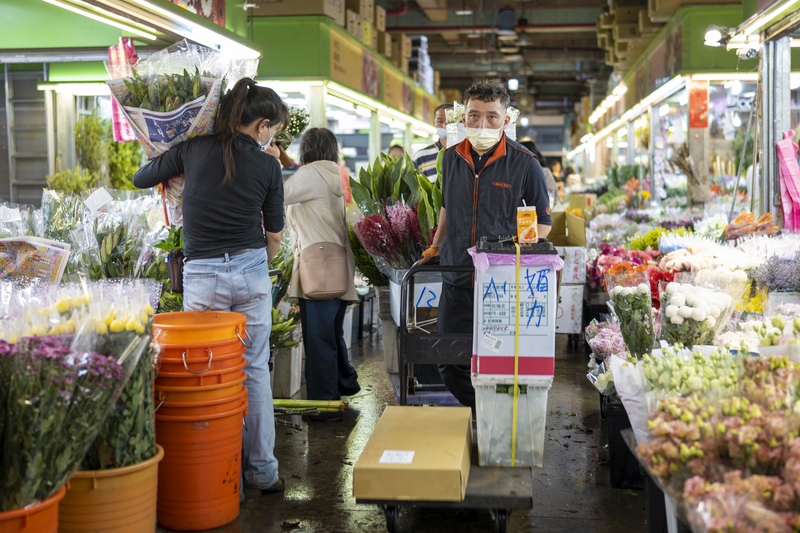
201,399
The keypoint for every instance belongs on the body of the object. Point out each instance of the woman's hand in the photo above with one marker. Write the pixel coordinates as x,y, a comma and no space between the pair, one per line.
273,150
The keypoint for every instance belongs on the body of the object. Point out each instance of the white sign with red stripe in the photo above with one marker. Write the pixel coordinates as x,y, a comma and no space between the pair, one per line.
494,322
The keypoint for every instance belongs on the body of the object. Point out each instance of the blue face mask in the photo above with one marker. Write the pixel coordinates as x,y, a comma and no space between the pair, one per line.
263,147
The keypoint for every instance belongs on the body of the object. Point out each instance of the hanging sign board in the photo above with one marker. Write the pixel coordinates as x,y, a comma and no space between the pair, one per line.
347,61
393,88
698,104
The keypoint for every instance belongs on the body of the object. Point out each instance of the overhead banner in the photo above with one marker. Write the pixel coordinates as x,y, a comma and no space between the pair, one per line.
393,88
698,104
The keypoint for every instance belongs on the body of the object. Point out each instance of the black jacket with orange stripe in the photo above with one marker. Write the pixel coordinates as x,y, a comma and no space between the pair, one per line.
485,204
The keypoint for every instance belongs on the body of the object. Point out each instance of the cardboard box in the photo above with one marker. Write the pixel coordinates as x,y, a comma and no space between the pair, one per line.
400,62
364,8
354,24
582,201
574,257
385,44
401,45
370,35
569,317
380,18
567,230
331,8
416,454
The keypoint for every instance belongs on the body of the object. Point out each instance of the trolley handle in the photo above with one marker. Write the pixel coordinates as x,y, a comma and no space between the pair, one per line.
407,286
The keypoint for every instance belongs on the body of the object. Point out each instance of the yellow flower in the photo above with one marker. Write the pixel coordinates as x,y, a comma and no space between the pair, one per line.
149,310
102,328
117,325
132,324
645,194
62,305
38,331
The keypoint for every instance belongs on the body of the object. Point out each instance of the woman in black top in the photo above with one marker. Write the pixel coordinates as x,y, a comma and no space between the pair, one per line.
230,185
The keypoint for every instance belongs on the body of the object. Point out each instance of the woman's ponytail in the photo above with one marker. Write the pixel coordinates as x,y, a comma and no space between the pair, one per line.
245,104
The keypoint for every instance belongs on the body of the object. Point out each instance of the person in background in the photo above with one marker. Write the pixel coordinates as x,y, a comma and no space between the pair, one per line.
230,184
397,151
552,186
315,214
555,168
425,159
484,179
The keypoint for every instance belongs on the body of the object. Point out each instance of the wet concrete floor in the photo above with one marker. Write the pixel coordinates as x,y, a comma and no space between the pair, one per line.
571,491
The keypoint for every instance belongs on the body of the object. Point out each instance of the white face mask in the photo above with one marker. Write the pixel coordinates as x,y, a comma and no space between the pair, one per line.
441,133
483,138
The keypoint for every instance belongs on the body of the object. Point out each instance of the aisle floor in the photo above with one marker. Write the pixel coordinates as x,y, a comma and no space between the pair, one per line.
571,492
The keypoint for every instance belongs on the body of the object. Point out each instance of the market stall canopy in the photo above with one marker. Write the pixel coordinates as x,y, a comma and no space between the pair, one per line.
82,30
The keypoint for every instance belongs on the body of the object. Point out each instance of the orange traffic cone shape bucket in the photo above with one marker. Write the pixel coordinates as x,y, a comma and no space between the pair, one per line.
195,328
39,518
118,500
198,480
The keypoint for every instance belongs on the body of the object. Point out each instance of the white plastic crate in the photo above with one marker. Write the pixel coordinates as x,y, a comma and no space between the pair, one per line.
495,413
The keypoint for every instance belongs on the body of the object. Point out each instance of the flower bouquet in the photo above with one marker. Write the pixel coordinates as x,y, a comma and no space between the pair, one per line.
695,314
298,121
54,399
629,290
608,342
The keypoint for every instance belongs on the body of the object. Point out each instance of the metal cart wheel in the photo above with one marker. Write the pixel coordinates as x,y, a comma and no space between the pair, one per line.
501,520
392,518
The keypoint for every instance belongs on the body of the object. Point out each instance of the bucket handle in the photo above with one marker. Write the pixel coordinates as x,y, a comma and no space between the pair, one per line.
163,399
186,365
248,338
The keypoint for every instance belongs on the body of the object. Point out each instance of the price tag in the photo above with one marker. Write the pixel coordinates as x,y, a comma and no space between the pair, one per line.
491,343
98,199
396,457
8,214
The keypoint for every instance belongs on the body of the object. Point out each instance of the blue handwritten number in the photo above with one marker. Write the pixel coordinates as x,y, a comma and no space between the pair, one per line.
431,299
421,295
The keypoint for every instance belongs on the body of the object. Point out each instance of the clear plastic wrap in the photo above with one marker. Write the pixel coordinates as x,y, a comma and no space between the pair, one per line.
693,314
629,290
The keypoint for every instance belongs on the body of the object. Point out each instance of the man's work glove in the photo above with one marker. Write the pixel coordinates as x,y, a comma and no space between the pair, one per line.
429,254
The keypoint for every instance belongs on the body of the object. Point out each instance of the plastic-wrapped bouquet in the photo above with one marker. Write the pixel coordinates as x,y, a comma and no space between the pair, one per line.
694,314
629,290
298,121
607,342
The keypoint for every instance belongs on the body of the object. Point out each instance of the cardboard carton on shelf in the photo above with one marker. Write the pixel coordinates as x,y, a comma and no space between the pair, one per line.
582,201
365,8
331,8
370,35
354,24
401,45
568,235
385,44
420,454
380,18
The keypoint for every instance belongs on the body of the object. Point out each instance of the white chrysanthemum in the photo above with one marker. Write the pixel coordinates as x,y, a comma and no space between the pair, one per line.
715,311
685,311
711,321
740,276
678,299
699,314
671,287
727,300
677,320
644,288
616,290
692,301
629,291
671,311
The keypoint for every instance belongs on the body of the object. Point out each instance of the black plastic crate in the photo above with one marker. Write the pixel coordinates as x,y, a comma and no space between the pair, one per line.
624,467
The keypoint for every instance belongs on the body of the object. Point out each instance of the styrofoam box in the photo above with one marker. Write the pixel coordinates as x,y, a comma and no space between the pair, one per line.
569,318
494,322
427,291
574,263
495,411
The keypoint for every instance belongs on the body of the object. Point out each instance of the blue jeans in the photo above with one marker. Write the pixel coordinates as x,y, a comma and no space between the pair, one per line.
241,283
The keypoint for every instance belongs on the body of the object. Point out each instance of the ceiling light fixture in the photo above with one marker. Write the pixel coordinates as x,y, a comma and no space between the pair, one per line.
464,12
507,36
513,84
481,51
509,49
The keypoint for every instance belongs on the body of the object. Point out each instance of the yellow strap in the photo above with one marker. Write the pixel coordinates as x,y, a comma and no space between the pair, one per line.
516,371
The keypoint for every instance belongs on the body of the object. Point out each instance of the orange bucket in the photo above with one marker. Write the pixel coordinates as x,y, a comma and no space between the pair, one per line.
118,500
212,356
198,480
201,379
195,328
208,407
198,394
39,518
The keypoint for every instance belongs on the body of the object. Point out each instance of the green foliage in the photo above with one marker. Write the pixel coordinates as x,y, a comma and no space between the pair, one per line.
76,180
737,145
92,140
613,197
641,242
365,264
124,160
282,330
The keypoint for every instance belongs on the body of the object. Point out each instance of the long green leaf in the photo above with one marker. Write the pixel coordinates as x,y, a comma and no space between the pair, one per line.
412,182
439,159
365,177
425,220
362,198
437,204
397,191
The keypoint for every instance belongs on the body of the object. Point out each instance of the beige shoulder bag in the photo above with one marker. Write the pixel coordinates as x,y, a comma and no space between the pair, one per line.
324,272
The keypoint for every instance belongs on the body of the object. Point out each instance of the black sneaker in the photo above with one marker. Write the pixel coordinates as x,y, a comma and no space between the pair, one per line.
278,486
